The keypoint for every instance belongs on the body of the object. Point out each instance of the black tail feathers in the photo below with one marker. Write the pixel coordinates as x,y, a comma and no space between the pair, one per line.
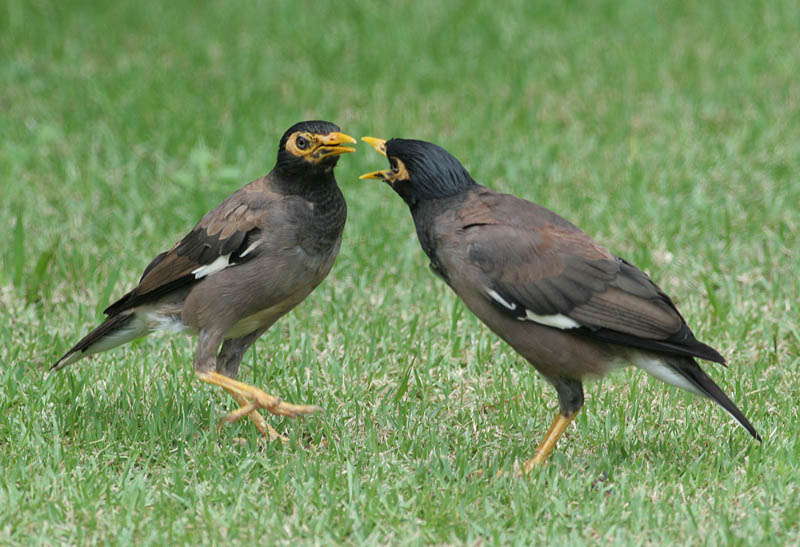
690,370
110,333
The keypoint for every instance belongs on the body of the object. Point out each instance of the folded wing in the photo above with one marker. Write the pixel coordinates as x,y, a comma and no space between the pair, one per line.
539,267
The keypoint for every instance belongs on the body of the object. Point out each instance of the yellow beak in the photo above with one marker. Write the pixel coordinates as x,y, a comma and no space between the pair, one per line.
380,175
380,146
330,144
376,143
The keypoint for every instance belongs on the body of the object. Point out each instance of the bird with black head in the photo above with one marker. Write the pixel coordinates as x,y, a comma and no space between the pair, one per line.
245,264
571,308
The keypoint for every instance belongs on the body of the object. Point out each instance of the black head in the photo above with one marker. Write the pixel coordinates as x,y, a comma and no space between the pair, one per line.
420,170
313,147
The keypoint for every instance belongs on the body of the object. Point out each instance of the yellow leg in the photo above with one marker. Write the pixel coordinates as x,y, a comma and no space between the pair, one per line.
258,420
546,447
251,398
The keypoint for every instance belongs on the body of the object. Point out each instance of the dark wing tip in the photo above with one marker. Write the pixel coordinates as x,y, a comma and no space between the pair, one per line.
704,351
685,338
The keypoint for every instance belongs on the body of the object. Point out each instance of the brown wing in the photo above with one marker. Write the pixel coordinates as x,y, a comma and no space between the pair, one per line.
539,267
226,236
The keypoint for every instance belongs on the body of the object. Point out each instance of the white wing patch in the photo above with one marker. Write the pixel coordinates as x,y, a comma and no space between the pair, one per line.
558,320
502,301
250,248
218,265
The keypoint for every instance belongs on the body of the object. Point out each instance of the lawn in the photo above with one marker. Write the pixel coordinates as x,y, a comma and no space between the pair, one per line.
668,131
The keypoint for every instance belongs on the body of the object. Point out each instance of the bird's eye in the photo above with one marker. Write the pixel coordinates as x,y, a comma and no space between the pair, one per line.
301,142
395,167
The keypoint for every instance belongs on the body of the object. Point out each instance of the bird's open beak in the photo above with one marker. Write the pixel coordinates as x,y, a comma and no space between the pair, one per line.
380,146
380,175
377,144
330,145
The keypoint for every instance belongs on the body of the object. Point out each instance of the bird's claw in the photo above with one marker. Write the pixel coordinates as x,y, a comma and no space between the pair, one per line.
276,405
251,399
294,411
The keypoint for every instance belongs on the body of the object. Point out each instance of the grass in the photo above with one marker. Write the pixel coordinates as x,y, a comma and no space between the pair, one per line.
666,130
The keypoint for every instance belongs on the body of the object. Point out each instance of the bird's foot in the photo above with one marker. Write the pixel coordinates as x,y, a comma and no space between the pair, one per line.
251,399
261,424
266,430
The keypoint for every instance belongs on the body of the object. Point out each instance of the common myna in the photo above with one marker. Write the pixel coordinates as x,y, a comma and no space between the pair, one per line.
567,305
247,262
